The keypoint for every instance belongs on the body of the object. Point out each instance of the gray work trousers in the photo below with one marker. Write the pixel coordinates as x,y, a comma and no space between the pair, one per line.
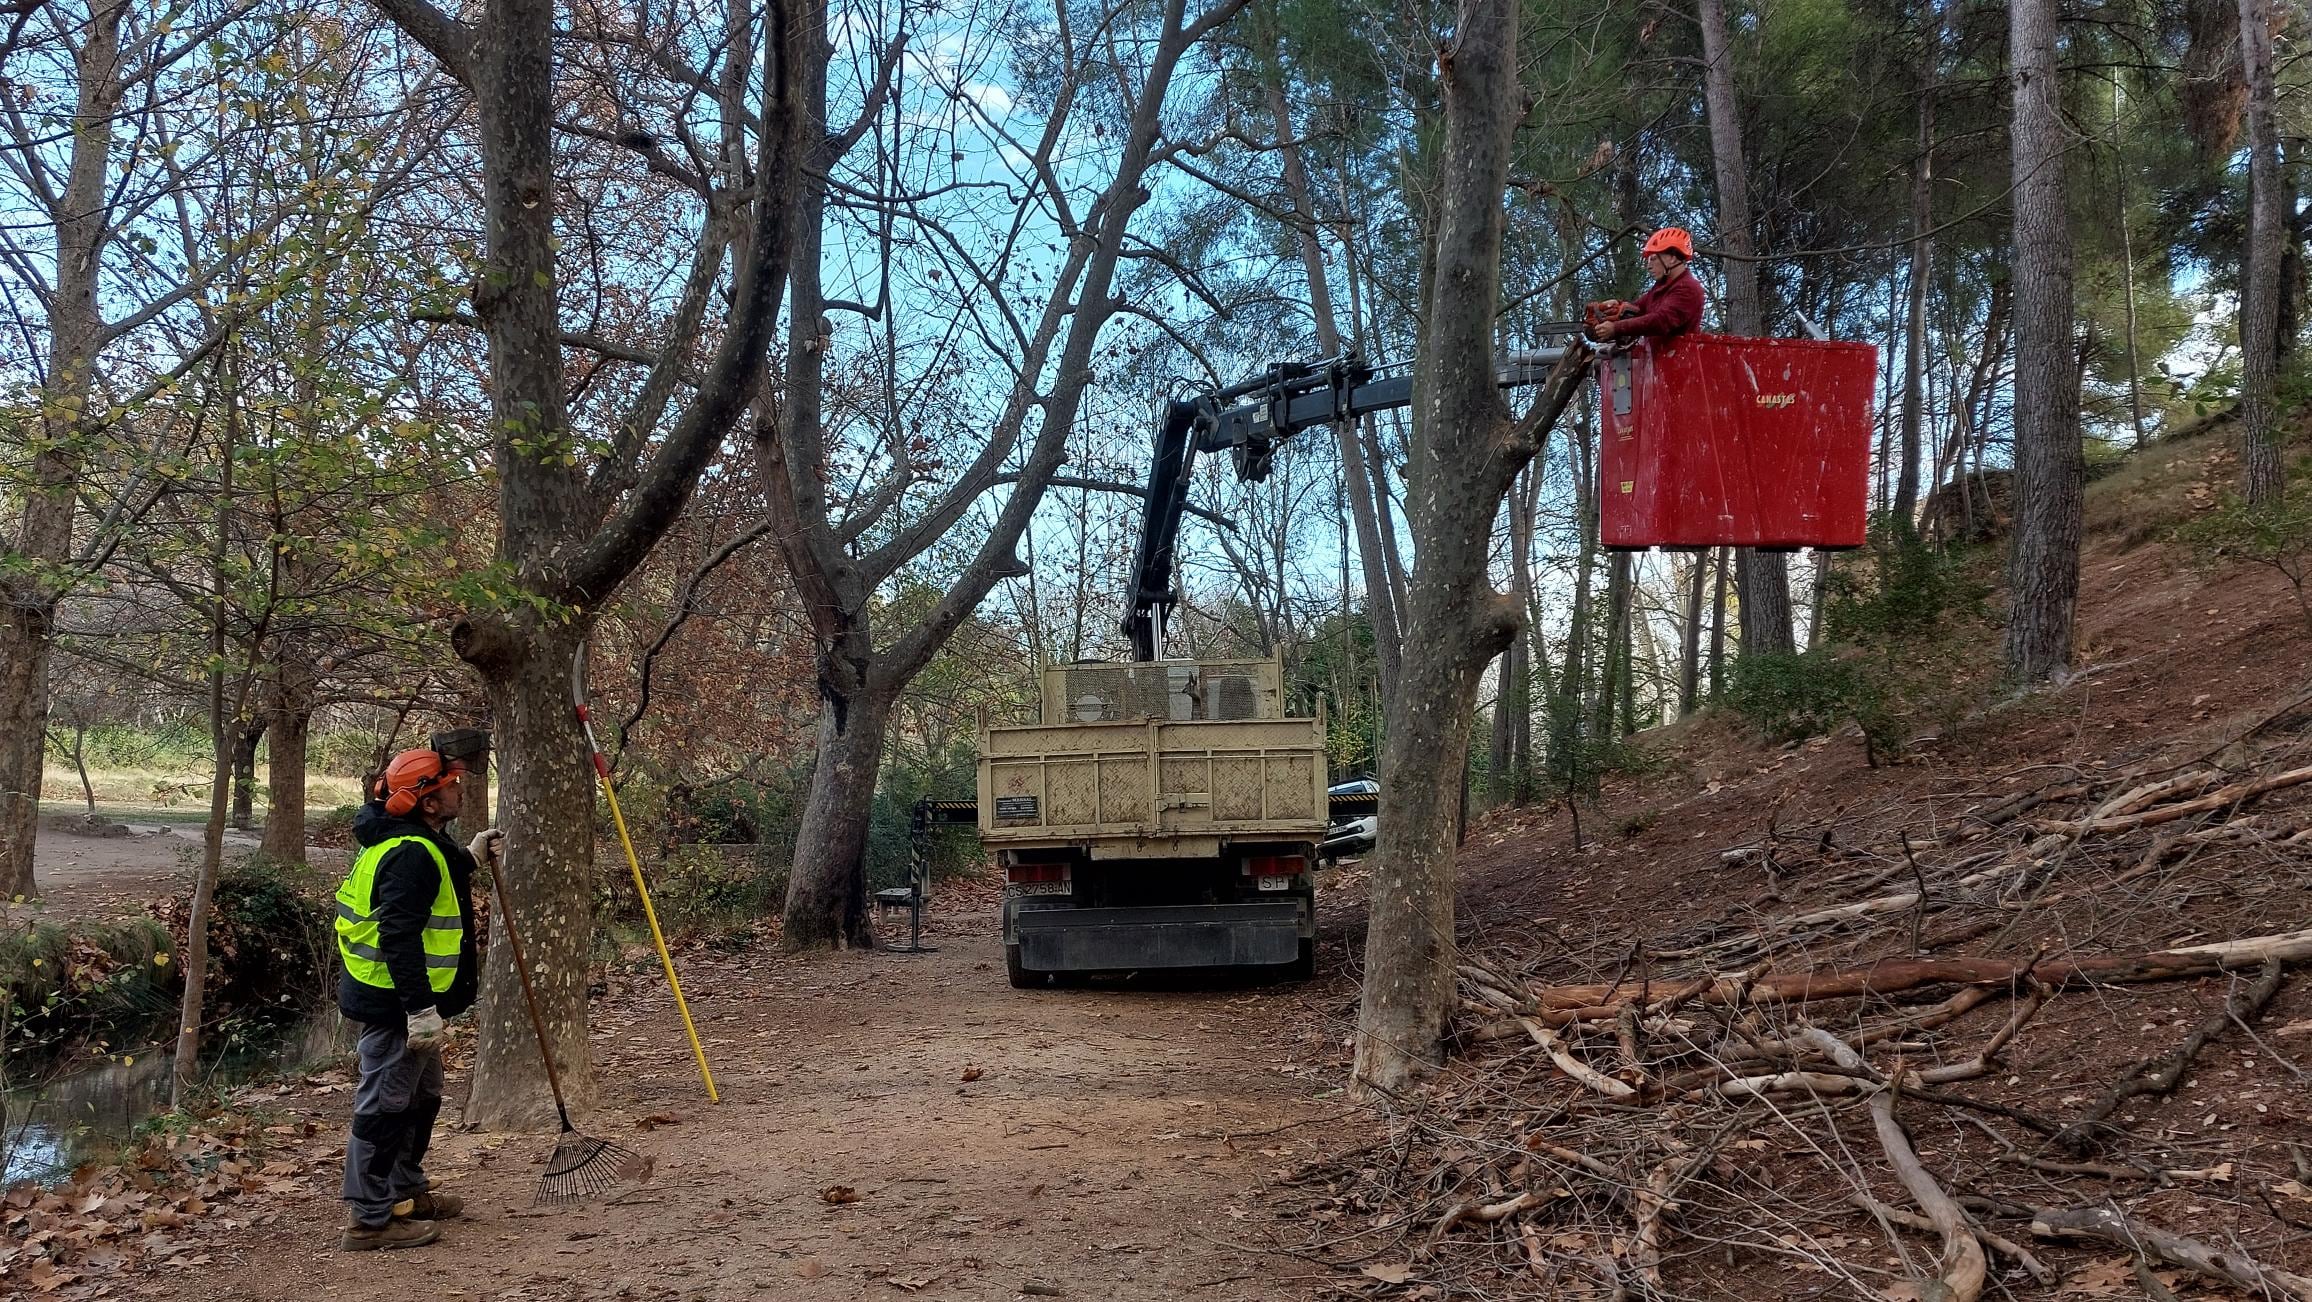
393,1118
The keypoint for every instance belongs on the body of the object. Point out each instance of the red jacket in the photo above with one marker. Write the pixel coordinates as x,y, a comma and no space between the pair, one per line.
1668,307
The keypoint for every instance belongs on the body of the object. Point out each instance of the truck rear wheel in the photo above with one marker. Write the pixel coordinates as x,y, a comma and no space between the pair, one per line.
1303,966
1021,978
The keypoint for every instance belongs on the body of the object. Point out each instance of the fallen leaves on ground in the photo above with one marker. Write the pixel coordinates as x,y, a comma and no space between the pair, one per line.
839,1194
70,1240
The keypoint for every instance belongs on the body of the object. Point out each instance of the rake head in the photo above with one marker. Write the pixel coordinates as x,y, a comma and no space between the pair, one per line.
582,1167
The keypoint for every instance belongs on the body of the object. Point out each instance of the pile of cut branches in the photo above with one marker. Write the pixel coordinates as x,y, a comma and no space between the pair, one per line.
1814,1095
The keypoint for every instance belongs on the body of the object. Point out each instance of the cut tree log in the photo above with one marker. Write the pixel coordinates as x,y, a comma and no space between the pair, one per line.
2113,1226
2151,793
1560,1004
2214,800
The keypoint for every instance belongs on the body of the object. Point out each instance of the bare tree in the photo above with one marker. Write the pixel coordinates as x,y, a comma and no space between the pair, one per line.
840,552
2261,474
2050,465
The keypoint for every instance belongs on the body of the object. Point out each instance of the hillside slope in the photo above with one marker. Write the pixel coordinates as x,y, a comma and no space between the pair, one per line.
2120,815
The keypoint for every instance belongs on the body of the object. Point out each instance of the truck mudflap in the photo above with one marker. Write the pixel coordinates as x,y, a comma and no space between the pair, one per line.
1061,938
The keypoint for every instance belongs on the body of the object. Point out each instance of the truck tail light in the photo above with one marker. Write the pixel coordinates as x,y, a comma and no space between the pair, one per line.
1021,873
1290,865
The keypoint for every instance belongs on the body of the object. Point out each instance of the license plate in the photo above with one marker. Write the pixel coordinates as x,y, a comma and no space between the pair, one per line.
1040,888
1275,882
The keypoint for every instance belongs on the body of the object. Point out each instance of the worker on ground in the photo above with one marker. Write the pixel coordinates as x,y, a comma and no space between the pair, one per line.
1672,305
405,938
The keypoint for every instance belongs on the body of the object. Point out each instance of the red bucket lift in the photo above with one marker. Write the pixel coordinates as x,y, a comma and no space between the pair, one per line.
1713,440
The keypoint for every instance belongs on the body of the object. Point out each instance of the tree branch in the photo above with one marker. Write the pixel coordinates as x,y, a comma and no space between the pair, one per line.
447,39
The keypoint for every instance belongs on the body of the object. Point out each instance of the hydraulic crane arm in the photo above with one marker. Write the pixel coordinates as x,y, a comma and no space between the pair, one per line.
1248,420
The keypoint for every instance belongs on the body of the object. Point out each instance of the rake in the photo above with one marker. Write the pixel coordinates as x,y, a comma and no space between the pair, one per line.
580,1165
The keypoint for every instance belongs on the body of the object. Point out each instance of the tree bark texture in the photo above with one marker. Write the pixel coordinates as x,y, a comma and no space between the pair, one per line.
2050,466
546,809
290,726
246,735
1463,458
2261,473
43,541
827,884
1761,579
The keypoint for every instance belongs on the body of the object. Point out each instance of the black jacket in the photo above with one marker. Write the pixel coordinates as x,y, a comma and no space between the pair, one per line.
404,895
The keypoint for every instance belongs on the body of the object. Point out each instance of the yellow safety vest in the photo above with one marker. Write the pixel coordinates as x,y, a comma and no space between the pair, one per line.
357,929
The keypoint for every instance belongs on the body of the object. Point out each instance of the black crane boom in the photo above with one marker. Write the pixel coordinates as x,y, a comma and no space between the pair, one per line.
1247,420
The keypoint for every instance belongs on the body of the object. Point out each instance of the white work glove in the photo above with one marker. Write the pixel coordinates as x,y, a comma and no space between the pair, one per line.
484,846
425,1028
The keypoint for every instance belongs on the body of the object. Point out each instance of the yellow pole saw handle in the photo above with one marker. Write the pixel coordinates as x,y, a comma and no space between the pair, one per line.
634,864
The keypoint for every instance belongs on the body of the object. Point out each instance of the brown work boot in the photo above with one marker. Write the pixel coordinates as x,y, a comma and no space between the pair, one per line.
430,1206
395,1233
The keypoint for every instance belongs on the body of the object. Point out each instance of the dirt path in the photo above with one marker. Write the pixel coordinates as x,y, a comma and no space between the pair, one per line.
1109,1148
85,877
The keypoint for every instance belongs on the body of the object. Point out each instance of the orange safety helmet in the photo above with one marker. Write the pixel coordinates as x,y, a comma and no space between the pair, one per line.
1670,239
415,774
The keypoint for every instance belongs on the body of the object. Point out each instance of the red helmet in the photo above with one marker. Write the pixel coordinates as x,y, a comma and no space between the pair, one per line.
415,774
1670,239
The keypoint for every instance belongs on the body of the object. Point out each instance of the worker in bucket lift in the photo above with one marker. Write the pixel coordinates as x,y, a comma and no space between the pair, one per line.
1672,305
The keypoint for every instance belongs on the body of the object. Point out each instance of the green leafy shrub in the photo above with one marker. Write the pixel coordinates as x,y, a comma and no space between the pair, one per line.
1793,697
279,933
1898,586
2277,537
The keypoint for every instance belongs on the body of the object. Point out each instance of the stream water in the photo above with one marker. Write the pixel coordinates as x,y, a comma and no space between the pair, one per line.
85,1115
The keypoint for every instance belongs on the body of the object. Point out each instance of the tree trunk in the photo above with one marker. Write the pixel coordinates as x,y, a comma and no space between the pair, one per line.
2126,265
289,725
80,766
1762,579
194,961
1906,503
246,735
1380,609
1690,657
26,628
224,737
82,221
1614,670
1463,459
1718,624
547,813
826,884
2261,473
2050,468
